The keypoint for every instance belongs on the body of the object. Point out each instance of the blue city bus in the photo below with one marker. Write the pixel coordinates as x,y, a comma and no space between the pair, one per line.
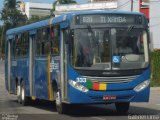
89,57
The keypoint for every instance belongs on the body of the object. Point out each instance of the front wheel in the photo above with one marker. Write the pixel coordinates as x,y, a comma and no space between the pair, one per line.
61,107
122,107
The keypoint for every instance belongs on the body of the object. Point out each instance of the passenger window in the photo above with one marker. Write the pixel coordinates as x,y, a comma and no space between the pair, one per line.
48,40
20,45
13,48
18,48
38,42
55,40
43,42
25,46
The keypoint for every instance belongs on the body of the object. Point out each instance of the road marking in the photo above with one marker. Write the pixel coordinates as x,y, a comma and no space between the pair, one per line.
98,118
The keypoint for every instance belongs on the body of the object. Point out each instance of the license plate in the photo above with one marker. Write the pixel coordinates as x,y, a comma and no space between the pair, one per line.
109,97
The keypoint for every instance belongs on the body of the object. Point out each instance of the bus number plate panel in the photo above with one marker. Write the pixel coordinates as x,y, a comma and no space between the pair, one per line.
109,97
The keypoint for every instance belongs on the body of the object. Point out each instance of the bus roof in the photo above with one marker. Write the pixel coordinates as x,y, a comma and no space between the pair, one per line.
60,18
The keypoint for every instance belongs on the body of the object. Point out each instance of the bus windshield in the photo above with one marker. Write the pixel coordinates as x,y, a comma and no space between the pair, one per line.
106,49
92,48
130,47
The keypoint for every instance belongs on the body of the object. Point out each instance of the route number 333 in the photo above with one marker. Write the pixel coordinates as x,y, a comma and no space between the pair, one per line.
81,80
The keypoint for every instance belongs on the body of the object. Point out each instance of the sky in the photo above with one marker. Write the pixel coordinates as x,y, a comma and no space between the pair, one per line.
46,1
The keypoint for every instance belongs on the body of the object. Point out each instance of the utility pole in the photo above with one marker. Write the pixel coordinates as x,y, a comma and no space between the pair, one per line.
131,5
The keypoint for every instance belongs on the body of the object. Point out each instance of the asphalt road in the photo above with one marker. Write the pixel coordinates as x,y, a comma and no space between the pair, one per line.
43,110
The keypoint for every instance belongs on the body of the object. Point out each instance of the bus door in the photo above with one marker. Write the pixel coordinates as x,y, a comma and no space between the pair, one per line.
64,61
32,39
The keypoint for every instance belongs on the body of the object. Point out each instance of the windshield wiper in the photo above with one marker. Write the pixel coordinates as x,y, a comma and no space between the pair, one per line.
130,28
92,34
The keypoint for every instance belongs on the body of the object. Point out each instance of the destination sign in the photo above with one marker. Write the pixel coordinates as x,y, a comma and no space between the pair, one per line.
108,19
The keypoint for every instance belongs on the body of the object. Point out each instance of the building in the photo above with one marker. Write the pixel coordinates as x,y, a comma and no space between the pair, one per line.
154,24
128,5
31,9
148,7
93,5
144,7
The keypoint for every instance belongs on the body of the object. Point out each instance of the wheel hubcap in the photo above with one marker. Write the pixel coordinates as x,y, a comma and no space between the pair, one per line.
58,99
22,94
18,90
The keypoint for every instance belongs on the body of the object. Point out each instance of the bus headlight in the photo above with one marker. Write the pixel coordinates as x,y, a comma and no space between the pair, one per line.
78,86
142,86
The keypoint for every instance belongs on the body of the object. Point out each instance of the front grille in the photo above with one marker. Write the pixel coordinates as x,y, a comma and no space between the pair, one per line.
123,79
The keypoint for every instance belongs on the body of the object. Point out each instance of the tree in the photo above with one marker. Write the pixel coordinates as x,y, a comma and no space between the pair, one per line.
65,1
62,2
11,15
10,4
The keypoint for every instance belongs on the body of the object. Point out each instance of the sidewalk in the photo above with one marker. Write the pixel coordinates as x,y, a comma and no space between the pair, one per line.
155,88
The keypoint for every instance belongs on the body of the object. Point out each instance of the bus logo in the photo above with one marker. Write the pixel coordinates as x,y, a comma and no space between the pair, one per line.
54,66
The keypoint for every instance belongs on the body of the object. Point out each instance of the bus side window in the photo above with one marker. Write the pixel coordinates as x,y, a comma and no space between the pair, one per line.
13,48
21,46
38,42
42,42
45,41
25,47
18,45
55,40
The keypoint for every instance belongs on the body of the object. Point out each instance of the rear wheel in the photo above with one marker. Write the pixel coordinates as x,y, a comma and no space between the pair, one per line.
61,107
25,100
122,107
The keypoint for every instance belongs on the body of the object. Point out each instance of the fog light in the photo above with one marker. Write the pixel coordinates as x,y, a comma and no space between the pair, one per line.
142,86
78,86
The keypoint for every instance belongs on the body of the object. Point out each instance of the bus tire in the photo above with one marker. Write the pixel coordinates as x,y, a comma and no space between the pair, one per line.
24,98
60,107
19,93
122,107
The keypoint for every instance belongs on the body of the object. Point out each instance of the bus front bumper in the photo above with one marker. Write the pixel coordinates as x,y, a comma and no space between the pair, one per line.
77,97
